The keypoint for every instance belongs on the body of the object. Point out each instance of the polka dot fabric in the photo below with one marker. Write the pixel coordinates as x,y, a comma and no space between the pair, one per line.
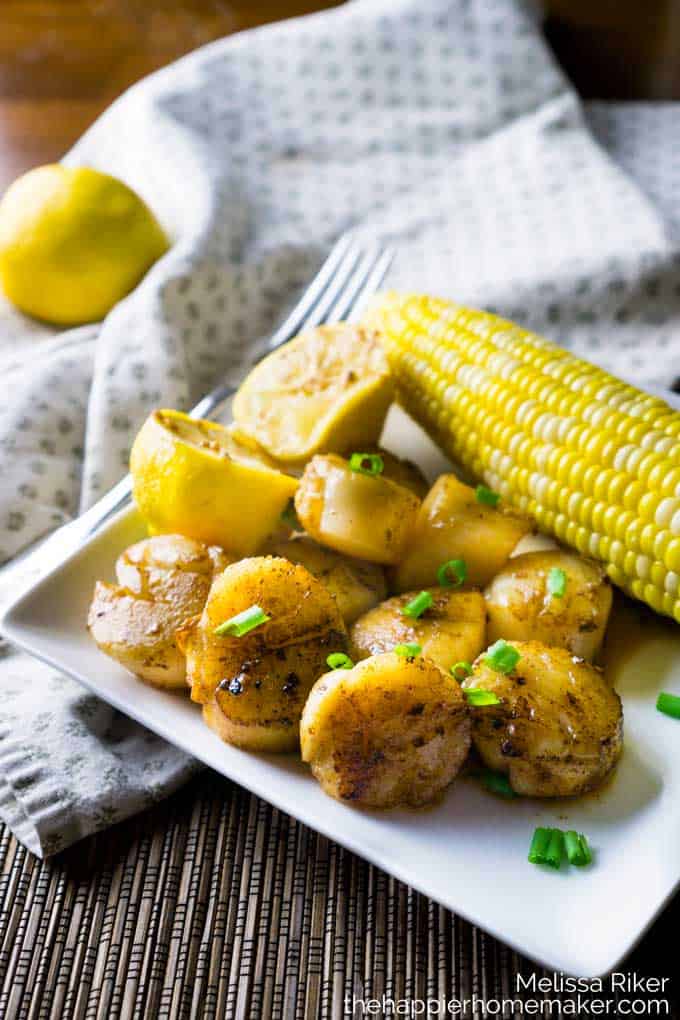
442,125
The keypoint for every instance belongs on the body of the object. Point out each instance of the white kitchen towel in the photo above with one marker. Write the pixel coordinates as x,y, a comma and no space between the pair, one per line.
442,125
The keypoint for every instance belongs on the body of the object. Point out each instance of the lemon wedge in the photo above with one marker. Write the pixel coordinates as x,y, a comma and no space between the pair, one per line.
193,478
328,390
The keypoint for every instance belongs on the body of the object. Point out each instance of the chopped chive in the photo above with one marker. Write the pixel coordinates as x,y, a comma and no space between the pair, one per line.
417,606
460,670
502,657
452,574
573,847
338,660
557,582
367,463
669,704
539,845
290,517
547,847
242,623
408,651
487,496
478,698
578,851
555,850
498,783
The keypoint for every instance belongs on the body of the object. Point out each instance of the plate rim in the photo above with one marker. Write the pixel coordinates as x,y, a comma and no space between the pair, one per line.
10,624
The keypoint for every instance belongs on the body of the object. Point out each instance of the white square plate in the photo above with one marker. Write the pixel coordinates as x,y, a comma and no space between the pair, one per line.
470,852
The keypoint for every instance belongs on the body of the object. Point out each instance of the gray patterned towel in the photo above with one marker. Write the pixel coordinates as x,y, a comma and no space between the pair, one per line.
444,125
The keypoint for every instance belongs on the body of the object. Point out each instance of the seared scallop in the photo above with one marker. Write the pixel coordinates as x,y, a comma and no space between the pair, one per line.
153,567
557,729
356,585
453,524
253,686
391,731
558,598
163,584
400,470
453,629
357,513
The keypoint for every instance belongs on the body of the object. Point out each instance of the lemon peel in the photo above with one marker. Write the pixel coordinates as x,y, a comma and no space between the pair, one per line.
193,478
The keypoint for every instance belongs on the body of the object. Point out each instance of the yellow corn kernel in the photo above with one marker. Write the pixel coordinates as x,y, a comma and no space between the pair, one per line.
593,460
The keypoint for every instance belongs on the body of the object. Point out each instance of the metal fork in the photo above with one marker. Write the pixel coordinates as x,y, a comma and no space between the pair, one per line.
340,289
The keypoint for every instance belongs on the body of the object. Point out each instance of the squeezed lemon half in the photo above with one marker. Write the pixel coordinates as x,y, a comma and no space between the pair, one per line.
193,478
327,390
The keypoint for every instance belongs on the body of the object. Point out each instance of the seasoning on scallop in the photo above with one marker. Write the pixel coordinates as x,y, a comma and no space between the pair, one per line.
558,598
392,730
350,506
259,645
549,720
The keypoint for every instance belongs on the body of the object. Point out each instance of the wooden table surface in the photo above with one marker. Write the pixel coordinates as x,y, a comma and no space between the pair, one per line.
61,63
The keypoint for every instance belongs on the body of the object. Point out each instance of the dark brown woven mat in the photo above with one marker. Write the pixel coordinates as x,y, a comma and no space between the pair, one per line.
216,905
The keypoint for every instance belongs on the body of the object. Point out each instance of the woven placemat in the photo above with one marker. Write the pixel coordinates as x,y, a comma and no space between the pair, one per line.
214,904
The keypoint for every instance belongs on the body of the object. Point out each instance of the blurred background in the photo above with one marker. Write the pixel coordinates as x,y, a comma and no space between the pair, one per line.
63,61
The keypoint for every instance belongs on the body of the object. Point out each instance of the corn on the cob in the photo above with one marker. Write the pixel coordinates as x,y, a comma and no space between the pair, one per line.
594,461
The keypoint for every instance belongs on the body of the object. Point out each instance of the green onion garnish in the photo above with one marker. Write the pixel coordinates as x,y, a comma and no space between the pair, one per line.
460,670
289,516
547,847
408,651
417,606
502,657
669,704
555,851
487,496
338,660
557,582
242,623
367,463
478,698
498,783
578,851
452,573
539,846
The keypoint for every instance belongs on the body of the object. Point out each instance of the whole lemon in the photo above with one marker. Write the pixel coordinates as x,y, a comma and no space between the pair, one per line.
73,242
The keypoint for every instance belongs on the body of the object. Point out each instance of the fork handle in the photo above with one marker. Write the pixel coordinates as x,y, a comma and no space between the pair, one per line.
48,552
210,403
116,498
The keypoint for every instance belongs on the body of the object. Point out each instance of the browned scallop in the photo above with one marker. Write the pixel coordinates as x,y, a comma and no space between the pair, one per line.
154,567
557,730
452,524
391,731
253,687
451,630
365,516
163,583
521,606
356,585
400,470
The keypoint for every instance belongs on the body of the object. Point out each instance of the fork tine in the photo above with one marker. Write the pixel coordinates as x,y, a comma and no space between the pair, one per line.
343,277
310,311
355,284
325,276
346,279
372,283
